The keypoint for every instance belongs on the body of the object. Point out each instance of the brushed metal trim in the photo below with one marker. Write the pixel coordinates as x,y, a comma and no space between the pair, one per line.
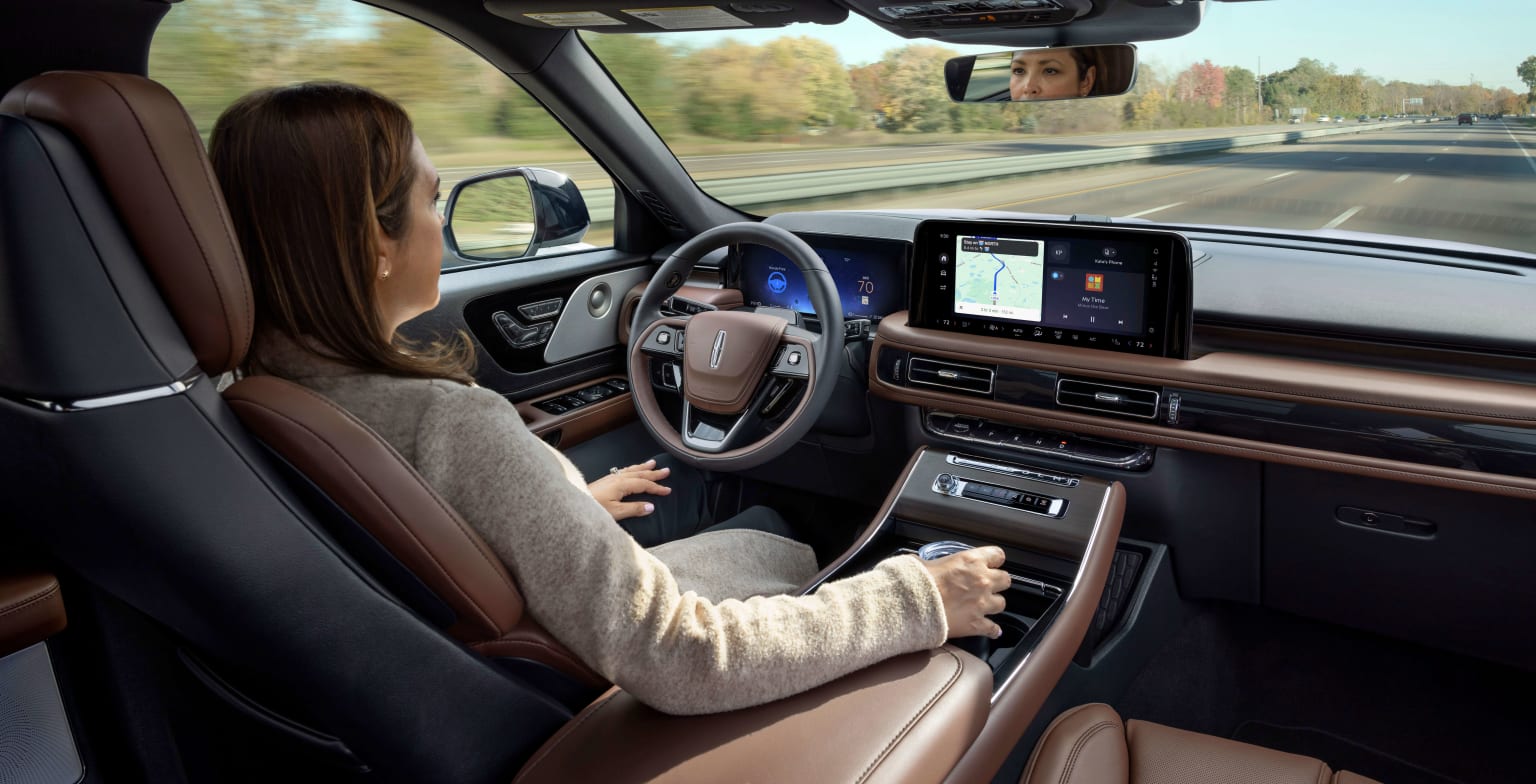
178,387
578,332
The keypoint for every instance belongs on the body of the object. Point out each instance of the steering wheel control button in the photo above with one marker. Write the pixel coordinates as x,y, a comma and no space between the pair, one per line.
663,337
794,358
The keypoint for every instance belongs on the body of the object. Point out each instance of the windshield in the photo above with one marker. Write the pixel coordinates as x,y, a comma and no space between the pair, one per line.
1294,114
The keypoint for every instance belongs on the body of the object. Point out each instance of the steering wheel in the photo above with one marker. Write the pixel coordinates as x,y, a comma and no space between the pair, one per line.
737,368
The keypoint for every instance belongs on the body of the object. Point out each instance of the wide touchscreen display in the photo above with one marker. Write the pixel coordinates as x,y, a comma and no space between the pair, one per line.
1072,283
871,277
1120,289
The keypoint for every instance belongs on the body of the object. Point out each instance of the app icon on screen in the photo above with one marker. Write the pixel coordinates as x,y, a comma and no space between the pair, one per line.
1095,282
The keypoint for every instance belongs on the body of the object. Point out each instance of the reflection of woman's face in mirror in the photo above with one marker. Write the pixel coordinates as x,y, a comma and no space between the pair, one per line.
1045,74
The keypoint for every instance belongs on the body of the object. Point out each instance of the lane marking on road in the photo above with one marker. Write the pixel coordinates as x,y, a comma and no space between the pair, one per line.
1282,174
1443,149
1154,209
1401,178
1516,140
1430,158
1344,216
1099,188
1340,158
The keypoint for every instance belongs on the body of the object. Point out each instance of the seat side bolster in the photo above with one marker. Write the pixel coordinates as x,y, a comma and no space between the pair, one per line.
381,491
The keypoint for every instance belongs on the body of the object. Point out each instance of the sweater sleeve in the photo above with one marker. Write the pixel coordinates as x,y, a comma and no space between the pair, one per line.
619,608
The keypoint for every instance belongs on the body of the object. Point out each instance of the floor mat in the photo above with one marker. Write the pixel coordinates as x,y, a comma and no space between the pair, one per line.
1455,717
1339,752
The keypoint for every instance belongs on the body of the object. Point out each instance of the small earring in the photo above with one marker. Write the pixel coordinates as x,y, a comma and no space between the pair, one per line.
384,275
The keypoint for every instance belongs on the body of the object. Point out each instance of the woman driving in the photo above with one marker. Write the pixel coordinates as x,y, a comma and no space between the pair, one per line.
335,203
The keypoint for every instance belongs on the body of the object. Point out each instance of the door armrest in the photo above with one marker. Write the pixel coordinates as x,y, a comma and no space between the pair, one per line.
31,610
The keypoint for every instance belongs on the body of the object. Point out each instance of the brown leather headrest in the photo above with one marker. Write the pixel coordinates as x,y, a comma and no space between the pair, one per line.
157,175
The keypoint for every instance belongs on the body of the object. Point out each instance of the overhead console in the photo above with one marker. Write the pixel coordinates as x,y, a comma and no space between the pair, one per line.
1113,289
1033,22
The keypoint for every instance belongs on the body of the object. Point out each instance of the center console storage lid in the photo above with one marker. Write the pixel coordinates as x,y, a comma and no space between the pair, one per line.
907,719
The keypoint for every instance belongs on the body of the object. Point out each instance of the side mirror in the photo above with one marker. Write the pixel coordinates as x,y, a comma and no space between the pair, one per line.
1054,74
514,213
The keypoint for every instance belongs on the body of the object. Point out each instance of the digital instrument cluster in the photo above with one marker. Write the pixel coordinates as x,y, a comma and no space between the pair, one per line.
871,276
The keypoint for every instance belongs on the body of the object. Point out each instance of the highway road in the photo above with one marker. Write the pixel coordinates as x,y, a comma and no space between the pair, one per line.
709,167
1472,184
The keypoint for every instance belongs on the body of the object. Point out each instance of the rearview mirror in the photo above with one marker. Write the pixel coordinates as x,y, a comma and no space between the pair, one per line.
1052,74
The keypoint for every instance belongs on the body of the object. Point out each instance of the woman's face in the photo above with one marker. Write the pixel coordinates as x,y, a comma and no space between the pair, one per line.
1042,75
414,259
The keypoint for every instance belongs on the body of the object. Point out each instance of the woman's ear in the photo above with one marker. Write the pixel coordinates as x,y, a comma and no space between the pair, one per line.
1086,85
386,247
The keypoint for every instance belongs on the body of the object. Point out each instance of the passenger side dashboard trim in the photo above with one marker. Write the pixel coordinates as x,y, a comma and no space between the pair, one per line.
1257,376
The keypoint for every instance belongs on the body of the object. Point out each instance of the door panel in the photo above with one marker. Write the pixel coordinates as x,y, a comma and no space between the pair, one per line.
546,334
472,297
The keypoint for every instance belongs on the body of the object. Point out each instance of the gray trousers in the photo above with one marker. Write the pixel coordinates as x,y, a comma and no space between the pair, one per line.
685,511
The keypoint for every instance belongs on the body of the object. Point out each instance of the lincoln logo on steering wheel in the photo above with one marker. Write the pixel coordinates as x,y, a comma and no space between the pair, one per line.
714,354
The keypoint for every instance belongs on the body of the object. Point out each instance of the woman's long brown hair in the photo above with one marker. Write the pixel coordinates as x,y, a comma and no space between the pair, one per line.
311,173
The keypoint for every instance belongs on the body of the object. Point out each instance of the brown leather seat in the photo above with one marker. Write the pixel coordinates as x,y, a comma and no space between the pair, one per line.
157,173
1091,745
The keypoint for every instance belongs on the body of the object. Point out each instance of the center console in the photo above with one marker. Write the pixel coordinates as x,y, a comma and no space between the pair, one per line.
1045,520
1059,532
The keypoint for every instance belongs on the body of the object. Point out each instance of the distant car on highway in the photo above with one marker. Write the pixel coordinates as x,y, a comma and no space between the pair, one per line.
1324,118
1466,119
1338,118
1363,118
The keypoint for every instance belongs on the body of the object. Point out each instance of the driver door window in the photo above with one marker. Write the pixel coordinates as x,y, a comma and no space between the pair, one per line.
471,118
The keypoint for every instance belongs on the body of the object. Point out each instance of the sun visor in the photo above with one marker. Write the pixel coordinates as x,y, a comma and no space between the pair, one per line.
647,16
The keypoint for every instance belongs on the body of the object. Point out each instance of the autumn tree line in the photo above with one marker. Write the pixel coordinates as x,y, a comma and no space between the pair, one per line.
211,51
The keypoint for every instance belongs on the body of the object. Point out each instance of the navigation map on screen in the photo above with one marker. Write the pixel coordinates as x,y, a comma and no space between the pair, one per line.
1001,278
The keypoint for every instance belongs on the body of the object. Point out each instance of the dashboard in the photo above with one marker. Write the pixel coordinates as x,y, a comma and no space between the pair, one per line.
1378,360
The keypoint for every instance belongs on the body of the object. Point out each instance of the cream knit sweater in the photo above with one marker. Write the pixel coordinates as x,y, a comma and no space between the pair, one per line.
701,625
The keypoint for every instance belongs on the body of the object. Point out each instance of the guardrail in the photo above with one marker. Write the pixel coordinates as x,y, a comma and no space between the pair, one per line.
748,192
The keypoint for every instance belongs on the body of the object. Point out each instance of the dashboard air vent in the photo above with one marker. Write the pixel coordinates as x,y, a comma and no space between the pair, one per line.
659,209
1107,398
970,379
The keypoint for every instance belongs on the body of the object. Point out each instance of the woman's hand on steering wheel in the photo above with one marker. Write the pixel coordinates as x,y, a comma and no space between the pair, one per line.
620,483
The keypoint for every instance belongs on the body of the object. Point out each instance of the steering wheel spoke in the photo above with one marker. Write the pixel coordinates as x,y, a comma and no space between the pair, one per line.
794,360
666,337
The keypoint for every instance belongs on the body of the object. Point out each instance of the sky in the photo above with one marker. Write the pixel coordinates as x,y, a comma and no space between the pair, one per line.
1453,41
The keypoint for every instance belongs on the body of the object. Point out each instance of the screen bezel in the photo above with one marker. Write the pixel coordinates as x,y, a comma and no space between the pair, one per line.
1168,309
900,249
